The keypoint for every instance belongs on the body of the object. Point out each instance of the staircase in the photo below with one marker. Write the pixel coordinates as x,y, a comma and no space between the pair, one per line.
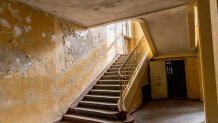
100,105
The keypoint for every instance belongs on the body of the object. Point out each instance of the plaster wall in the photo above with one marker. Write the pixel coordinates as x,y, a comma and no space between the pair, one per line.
46,62
214,21
207,10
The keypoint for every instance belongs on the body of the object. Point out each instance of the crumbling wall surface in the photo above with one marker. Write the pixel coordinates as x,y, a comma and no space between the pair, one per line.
46,62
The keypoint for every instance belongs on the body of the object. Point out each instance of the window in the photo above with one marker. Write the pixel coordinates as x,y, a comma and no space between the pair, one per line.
127,29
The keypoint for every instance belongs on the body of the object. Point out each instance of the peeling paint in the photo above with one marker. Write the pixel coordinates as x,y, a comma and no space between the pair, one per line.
27,28
5,23
14,12
43,34
54,38
17,31
8,77
29,19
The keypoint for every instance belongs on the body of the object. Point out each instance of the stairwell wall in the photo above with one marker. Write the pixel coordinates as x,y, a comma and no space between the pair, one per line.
47,62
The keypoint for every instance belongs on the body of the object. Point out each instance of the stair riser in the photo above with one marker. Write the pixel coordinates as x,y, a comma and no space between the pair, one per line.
114,100
110,82
108,93
76,120
123,60
108,87
115,66
113,70
123,56
121,63
110,78
118,66
116,73
113,78
100,106
117,69
111,73
95,114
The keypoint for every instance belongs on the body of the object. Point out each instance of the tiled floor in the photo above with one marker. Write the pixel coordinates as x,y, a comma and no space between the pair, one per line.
170,111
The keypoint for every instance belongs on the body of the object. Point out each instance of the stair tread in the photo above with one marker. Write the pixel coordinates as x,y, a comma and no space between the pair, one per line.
119,68
117,71
104,111
92,95
110,85
103,90
90,118
98,102
112,80
113,75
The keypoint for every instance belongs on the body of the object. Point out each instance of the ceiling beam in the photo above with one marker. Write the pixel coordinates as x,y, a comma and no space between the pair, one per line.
148,37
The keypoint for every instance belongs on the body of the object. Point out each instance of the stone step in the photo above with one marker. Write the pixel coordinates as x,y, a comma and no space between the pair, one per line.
111,81
118,66
75,118
105,92
121,62
108,86
124,69
124,54
113,77
111,73
102,98
96,112
100,105
116,72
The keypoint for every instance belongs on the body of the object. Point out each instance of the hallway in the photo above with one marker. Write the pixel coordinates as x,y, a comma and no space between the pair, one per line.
170,111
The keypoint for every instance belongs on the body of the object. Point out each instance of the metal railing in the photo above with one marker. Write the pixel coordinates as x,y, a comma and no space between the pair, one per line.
128,69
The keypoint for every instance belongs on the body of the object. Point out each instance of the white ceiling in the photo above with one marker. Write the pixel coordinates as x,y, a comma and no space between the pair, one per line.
94,12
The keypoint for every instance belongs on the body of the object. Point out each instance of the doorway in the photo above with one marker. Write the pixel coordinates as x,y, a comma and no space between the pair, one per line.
176,79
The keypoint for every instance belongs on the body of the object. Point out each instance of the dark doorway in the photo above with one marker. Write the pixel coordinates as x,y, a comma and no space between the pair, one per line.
176,79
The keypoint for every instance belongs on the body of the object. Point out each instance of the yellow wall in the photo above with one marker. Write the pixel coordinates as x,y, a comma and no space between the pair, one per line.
207,10
137,34
192,76
214,22
46,63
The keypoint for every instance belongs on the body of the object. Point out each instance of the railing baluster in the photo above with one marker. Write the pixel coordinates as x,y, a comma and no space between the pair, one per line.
127,69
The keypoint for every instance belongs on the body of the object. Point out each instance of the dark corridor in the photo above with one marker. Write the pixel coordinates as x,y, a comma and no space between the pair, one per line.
176,79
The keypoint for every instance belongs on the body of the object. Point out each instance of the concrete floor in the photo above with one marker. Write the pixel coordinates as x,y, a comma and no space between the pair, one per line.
170,111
